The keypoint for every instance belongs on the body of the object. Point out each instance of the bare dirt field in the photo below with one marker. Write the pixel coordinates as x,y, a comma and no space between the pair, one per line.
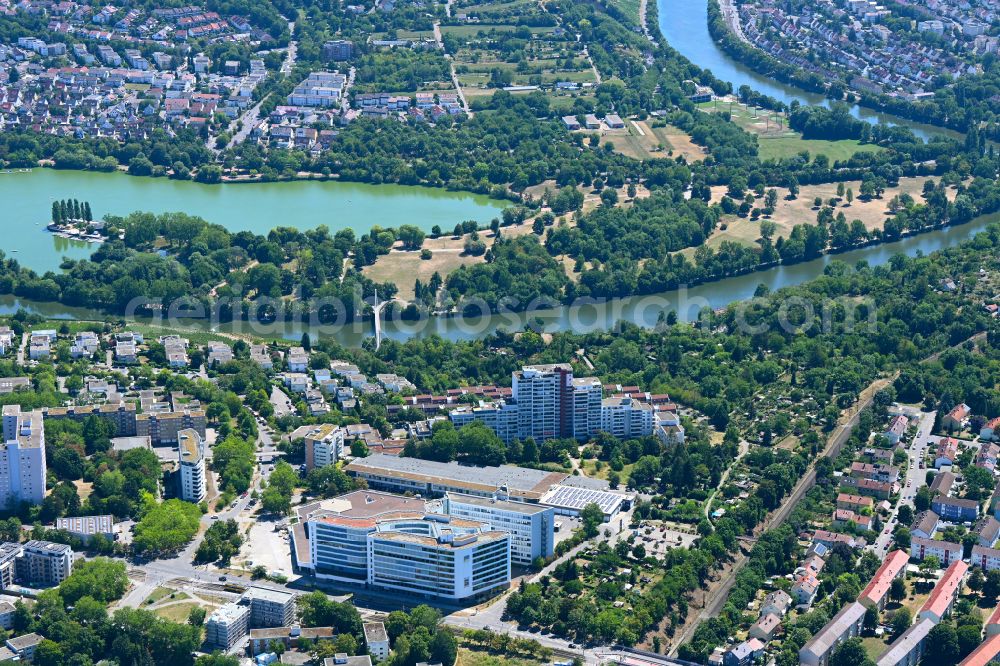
639,140
798,211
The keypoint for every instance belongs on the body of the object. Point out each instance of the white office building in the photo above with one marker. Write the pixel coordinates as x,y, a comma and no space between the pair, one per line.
531,526
438,556
390,542
191,454
22,459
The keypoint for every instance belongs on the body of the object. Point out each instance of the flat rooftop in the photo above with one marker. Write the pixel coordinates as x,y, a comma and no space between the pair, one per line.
189,445
267,594
520,481
361,504
504,505
575,499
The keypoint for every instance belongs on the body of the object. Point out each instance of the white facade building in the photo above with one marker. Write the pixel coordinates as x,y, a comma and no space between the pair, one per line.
324,445
531,526
191,454
227,625
438,556
626,418
377,640
22,459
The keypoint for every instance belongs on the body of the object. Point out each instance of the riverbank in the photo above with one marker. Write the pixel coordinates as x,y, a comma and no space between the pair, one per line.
590,316
727,33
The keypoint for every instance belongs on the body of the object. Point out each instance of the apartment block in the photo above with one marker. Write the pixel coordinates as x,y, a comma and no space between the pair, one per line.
986,558
954,509
547,401
944,594
626,418
269,608
909,647
227,626
377,640
22,457
164,427
43,563
544,399
877,591
946,551
324,445
191,457
499,416
844,625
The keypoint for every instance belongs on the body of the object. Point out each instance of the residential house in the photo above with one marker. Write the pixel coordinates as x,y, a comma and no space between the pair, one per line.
766,627
947,451
869,487
897,428
987,456
954,420
776,603
744,654
298,360
828,539
855,503
844,517
925,525
991,429
804,588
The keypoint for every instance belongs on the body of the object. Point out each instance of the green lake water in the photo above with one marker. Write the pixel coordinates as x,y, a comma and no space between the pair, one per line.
258,207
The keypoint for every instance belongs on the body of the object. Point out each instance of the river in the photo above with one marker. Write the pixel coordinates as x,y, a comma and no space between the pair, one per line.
257,207
642,310
684,24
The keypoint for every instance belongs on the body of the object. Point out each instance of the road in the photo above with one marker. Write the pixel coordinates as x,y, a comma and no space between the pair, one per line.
490,617
451,65
642,20
915,477
281,402
181,565
22,348
732,17
251,116
597,75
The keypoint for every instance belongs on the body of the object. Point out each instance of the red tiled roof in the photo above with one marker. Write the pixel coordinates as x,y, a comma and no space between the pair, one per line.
987,651
879,585
946,589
